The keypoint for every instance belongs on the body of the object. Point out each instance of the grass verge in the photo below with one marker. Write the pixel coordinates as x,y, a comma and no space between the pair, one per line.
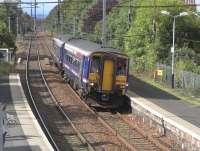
5,68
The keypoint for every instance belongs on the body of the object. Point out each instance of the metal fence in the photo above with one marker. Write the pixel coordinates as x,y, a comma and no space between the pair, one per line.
183,79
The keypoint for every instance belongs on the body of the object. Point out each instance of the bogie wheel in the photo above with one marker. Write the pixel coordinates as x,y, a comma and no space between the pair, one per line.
83,95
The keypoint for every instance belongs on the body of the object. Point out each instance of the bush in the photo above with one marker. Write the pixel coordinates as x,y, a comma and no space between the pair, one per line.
186,59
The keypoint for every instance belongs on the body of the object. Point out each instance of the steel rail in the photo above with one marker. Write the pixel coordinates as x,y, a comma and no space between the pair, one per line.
114,132
33,101
107,125
150,137
83,140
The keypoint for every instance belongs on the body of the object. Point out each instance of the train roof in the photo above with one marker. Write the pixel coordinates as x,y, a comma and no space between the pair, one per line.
58,42
61,39
65,38
86,47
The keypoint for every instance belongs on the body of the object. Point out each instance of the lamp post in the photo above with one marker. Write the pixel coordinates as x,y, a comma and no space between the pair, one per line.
173,44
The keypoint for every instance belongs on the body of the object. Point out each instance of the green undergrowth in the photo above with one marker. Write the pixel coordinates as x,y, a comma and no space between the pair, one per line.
5,68
186,95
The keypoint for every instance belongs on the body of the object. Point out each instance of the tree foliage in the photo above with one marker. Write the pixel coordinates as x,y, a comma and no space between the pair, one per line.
8,39
150,35
71,11
145,35
117,24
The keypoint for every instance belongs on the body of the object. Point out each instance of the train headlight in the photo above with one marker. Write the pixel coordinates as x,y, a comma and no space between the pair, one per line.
122,87
91,84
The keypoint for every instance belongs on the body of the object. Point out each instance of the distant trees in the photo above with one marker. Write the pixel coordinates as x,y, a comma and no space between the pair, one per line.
11,11
72,12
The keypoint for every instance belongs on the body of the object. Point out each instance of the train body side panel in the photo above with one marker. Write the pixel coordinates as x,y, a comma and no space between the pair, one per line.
72,70
68,67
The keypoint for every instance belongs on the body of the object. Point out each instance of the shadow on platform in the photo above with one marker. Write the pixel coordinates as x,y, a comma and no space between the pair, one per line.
22,148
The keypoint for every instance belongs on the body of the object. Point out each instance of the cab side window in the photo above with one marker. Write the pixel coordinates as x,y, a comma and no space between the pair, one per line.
95,64
121,67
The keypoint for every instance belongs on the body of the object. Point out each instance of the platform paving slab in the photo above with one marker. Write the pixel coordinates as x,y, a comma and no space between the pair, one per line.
27,135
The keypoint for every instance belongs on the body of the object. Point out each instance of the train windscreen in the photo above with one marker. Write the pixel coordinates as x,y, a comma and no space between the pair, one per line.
121,66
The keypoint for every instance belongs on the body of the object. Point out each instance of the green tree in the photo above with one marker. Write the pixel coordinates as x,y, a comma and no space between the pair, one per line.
8,39
151,32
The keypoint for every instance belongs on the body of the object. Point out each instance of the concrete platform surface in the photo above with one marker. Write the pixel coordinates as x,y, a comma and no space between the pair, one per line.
27,135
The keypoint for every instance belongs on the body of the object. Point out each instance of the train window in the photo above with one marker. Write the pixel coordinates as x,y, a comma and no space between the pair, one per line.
121,66
95,64
69,59
76,63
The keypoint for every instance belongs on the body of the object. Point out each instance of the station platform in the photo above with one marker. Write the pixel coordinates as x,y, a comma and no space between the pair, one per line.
172,104
180,117
27,134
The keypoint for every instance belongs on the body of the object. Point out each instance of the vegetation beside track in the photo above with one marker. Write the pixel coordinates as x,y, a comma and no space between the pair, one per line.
5,68
7,39
190,95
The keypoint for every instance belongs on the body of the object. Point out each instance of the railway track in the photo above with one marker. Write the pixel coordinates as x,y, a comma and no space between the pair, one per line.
89,125
33,101
60,130
130,136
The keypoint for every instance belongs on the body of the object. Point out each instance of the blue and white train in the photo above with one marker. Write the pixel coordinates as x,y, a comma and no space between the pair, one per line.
91,69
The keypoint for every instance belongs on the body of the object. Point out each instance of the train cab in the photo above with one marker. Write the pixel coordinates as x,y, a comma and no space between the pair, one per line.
108,74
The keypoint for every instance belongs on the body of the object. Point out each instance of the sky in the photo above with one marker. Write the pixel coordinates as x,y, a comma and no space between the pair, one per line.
46,8
198,2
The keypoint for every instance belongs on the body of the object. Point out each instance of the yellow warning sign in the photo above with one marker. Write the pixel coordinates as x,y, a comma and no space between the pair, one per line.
159,72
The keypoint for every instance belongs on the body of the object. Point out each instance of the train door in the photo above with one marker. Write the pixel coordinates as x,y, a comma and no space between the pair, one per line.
108,72
61,53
